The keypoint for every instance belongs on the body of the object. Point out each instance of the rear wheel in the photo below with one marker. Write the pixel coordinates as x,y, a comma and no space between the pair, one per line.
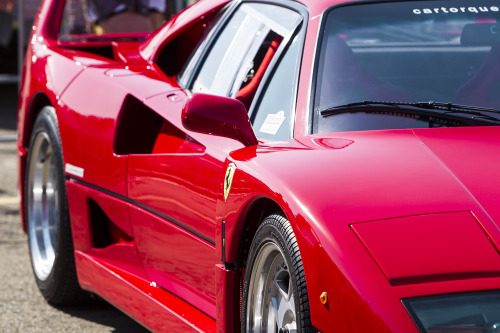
48,225
275,294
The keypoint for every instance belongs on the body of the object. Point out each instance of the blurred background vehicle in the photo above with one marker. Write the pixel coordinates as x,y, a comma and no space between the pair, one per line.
17,16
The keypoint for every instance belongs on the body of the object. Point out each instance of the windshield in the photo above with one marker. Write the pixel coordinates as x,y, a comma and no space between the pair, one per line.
415,51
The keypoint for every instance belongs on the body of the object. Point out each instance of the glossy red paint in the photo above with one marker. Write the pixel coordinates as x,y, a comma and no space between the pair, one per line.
79,199
395,244
323,221
353,199
219,116
228,290
176,260
152,306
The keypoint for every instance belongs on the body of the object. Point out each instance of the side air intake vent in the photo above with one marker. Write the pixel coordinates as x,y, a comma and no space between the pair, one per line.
104,231
137,128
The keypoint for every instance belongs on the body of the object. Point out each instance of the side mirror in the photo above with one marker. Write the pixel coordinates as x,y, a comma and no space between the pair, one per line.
220,116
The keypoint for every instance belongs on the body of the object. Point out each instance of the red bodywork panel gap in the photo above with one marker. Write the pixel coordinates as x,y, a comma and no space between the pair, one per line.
430,248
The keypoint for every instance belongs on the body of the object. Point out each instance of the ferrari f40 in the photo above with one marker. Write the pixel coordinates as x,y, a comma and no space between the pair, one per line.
267,165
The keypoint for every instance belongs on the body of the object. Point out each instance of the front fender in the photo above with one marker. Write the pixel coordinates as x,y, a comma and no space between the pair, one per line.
328,262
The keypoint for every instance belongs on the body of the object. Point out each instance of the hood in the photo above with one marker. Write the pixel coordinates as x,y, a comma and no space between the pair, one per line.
425,185
471,157
373,175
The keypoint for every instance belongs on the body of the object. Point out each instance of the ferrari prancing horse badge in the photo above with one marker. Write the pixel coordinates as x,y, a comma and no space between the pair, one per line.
228,179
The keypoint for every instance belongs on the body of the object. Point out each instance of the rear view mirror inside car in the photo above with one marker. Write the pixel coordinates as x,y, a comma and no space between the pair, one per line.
480,34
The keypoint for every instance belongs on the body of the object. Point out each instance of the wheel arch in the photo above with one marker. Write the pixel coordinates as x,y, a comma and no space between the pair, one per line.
35,106
252,218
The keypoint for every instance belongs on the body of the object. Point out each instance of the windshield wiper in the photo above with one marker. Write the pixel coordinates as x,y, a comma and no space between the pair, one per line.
448,110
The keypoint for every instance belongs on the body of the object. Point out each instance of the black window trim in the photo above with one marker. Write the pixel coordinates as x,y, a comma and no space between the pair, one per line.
281,52
193,66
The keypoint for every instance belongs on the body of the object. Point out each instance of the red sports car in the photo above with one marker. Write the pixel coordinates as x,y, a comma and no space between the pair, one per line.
267,166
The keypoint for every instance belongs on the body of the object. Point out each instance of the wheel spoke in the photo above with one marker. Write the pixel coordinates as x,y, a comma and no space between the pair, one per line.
269,296
291,328
274,310
47,202
283,302
42,205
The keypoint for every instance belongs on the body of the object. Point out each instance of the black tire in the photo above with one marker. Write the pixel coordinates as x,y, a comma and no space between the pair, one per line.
274,268
46,211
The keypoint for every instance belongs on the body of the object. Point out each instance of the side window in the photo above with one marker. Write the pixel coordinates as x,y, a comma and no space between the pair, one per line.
272,119
248,44
205,82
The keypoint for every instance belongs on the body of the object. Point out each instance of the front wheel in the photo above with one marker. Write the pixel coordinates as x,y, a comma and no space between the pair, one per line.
275,293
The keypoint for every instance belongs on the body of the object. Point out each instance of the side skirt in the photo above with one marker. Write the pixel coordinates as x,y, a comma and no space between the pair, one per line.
153,307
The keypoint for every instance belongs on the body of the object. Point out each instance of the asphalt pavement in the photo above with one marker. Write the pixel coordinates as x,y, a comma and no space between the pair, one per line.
22,308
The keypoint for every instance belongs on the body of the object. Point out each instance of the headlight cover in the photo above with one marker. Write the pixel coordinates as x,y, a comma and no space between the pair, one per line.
461,313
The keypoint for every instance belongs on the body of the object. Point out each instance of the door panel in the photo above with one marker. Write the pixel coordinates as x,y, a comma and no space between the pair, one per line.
176,260
178,179
174,185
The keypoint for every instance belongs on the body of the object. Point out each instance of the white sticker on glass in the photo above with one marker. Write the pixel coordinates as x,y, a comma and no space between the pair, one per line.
273,123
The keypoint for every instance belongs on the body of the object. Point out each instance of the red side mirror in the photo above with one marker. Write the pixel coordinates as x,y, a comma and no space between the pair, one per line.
220,116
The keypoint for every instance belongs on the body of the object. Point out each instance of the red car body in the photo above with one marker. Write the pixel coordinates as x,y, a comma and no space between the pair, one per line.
379,216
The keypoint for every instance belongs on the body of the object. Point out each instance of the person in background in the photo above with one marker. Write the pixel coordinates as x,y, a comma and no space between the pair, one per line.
119,16
115,16
6,21
158,12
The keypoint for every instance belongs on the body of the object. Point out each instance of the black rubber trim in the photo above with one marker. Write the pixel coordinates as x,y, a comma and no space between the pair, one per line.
146,208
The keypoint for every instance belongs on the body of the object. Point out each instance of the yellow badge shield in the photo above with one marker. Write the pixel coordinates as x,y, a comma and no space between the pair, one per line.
228,179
